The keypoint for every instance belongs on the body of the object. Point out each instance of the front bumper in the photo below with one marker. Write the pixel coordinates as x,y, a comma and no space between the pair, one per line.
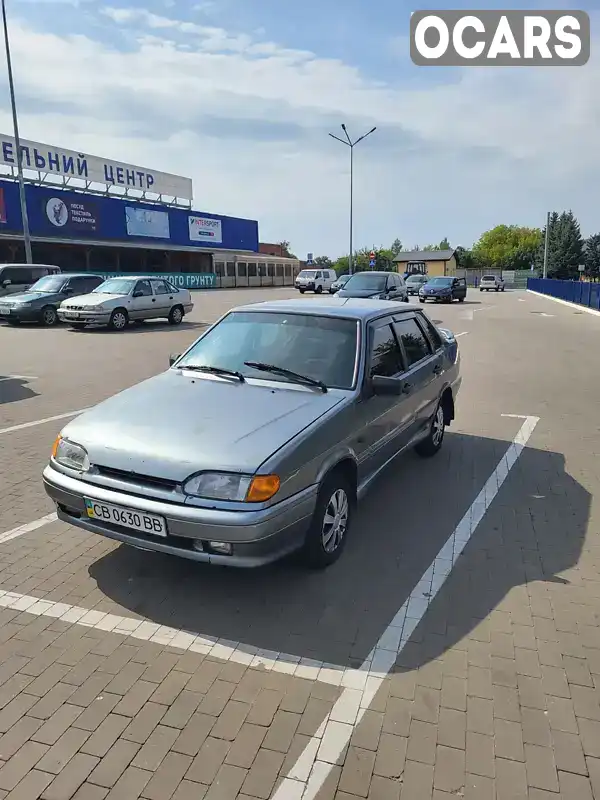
258,537
22,314
309,286
84,317
437,297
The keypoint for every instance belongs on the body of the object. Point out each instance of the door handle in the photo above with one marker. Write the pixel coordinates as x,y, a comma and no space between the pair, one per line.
437,369
154,299
406,388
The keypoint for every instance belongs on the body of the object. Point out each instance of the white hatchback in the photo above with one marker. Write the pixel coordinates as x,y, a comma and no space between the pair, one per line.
491,283
118,301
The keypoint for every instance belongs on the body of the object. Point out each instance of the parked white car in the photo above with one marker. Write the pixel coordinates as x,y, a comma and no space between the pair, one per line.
491,283
118,301
315,280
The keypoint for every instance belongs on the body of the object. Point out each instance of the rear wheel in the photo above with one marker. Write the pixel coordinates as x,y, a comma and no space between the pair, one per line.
421,300
326,537
49,316
461,299
176,315
118,320
318,290
497,288
433,443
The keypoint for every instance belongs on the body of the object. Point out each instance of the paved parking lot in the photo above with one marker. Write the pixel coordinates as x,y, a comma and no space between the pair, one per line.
454,651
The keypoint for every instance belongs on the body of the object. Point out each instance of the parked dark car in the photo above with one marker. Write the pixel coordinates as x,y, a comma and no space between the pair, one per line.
376,285
415,282
444,289
41,301
339,283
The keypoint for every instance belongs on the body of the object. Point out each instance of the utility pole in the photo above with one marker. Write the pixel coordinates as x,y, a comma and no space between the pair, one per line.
349,143
546,245
11,87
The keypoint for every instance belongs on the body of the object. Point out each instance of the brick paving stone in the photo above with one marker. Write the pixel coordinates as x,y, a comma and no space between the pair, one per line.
189,790
246,745
61,753
357,771
20,764
31,787
265,706
511,780
508,740
68,781
231,719
208,761
281,731
114,763
422,742
16,737
575,786
367,733
216,698
261,778
227,783
480,754
182,709
95,714
130,785
133,701
568,753
16,709
167,778
397,716
103,738
143,723
418,781
192,737
536,727
541,767
153,751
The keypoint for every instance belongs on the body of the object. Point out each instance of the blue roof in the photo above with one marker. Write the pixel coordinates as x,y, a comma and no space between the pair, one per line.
348,307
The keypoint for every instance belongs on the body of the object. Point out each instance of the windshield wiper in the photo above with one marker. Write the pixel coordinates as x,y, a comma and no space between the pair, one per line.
286,373
226,373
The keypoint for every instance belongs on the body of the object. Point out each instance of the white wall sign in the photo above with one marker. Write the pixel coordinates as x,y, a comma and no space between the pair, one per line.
205,229
70,164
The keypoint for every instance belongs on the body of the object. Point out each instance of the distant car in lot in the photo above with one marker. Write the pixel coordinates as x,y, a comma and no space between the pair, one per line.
376,285
491,283
414,283
118,301
443,289
40,303
17,278
315,280
339,283
259,440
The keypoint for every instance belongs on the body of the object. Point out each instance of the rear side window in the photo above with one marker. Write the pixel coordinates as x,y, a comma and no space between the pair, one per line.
18,275
91,283
413,340
386,358
160,287
431,330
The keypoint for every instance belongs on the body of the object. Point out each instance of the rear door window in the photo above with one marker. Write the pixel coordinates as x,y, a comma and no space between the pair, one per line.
413,340
386,358
18,275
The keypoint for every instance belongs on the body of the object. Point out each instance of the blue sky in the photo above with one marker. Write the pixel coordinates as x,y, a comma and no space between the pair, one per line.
240,96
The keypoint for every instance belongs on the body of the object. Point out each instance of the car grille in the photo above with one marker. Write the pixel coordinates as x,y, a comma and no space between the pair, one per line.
150,481
75,308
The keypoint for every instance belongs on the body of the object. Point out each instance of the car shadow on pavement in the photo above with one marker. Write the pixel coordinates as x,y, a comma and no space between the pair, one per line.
534,529
14,389
144,327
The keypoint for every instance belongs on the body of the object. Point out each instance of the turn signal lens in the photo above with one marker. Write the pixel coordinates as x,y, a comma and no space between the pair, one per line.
55,446
262,488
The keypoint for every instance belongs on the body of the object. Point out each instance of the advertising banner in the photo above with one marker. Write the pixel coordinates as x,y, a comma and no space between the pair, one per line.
2,206
143,222
182,280
74,217
205,229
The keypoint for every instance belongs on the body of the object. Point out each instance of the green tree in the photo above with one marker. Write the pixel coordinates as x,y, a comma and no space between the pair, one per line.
565,247
445,244
507,247
465,258
396,247
324,261
592,256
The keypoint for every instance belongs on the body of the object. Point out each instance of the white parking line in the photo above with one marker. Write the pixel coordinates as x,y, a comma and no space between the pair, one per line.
27,527
18,378
324,749
464,333
574,306
35,422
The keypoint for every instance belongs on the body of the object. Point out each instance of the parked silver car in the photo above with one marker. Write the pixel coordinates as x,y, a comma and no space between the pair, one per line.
260,438
118,301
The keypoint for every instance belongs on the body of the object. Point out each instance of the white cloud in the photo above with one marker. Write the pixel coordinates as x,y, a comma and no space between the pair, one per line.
248,121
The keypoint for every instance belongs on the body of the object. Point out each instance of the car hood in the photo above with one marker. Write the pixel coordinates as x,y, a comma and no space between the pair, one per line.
360,292
173,425
94,299
429,288
32,297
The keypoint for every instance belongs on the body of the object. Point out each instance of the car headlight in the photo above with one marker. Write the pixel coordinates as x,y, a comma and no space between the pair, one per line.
71,455
233,487
95,308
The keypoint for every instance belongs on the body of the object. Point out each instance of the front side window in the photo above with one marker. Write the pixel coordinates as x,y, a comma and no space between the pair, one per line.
144,288
413,340
321,348
385,359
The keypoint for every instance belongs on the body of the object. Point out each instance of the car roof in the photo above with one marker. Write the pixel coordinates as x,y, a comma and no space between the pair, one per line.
347,307
135,277
25,266
76,275
374,272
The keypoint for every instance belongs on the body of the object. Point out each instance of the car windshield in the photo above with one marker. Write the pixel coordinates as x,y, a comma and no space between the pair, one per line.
317,347
114,286
416,279
440,282
48,285
306,273
365,280
343,279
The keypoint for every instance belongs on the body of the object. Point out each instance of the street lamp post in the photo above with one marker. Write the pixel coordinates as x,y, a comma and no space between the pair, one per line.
349,143
11,87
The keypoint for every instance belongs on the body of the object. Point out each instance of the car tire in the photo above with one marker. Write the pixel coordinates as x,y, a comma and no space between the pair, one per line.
13,322
502,289
481,290
497,288
421,301
461,299
48,316
335,492
176,315
318,290
405,298
301,291
118,320
435,438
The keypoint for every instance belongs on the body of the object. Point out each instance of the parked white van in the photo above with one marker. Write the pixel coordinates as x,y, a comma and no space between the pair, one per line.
315,280
16,278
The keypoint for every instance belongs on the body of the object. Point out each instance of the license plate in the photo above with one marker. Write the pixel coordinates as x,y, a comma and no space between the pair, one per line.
126,517
4,309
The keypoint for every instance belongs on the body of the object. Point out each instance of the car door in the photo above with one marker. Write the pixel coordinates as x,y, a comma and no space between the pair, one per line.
163,298
384,420
141,301
424,367
391,287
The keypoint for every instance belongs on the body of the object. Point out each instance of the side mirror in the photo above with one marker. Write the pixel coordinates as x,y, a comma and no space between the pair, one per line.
383,385
68,290
6,283
173,358
138,294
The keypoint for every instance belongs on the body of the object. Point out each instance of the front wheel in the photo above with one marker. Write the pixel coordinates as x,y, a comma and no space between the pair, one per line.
433,443
176,315
318,290
497,288
326,537
461,299
421,301
301,291
118,320
49,316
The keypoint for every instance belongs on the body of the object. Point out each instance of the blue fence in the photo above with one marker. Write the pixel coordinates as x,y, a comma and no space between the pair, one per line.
581,292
